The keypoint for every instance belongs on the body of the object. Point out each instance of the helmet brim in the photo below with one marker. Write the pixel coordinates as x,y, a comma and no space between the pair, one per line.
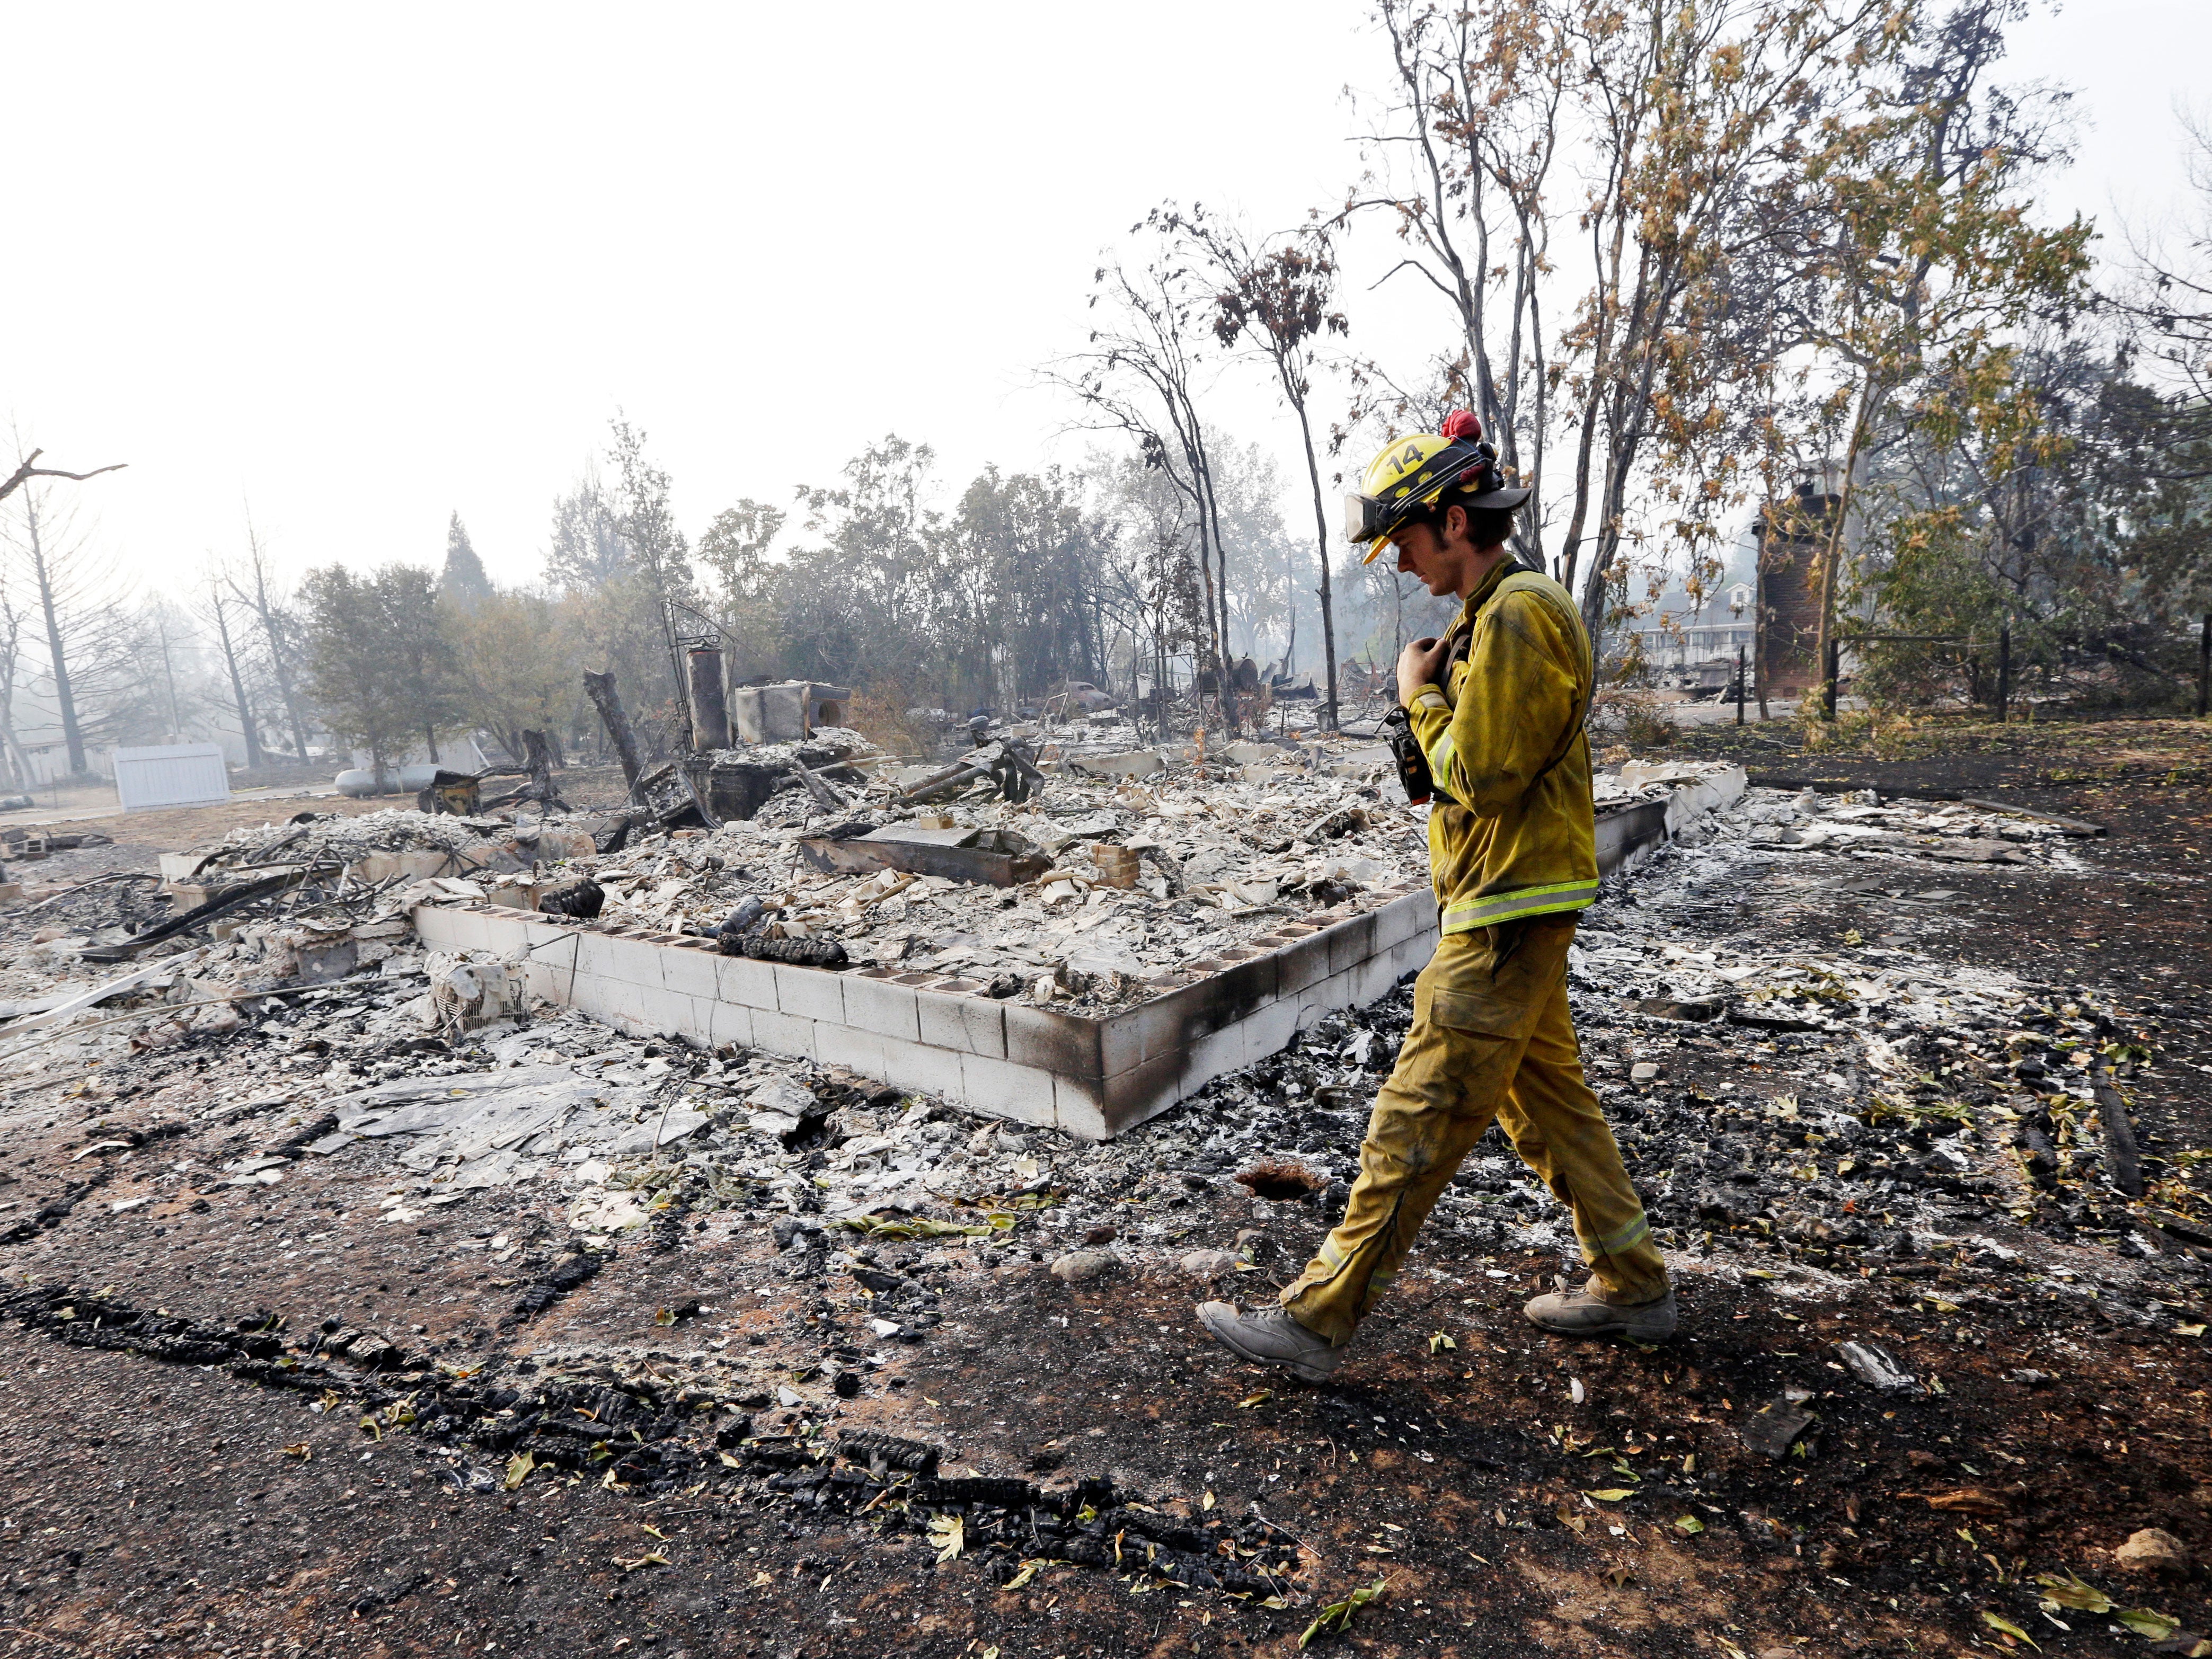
1497,501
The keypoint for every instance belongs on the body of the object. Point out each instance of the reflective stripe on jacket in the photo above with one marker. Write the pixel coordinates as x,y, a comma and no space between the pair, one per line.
1513,839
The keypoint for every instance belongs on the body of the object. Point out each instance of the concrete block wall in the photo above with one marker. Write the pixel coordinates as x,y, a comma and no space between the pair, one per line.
1089,1075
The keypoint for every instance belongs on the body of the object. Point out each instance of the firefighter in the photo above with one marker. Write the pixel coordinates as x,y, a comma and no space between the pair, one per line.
1497,708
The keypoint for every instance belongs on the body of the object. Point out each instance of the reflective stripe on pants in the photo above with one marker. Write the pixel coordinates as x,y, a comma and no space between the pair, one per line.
1492,1036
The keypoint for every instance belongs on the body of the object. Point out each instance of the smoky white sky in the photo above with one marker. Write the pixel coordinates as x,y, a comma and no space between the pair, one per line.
361,267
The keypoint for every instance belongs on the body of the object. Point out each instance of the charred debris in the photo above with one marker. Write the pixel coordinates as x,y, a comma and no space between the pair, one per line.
1805,1122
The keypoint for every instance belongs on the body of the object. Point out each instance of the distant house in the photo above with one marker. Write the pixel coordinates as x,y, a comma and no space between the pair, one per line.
1685,645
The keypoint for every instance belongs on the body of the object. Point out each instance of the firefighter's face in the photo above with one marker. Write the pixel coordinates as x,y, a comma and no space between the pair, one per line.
1436,559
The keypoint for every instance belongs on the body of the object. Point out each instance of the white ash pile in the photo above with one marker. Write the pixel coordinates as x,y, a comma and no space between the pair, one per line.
1859,821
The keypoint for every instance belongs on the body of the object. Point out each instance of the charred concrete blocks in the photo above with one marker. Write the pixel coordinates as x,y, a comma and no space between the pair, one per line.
1090,1075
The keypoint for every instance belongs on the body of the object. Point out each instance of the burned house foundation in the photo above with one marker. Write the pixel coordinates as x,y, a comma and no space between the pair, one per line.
1089,1075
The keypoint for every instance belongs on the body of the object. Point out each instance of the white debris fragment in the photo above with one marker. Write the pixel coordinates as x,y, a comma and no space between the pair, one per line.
1874,1366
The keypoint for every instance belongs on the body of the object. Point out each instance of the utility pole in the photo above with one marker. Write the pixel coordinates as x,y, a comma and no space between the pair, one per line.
1738,685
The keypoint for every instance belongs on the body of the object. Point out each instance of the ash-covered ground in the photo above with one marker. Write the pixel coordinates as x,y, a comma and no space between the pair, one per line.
328,1332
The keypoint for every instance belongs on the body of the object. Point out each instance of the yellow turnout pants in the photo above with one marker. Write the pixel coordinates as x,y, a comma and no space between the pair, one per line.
1492,1036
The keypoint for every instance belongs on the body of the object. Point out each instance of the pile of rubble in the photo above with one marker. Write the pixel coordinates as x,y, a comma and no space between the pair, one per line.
1202,866
263,912
316,865
375,848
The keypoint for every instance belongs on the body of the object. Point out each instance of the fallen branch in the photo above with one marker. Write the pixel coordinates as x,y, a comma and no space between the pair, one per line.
962,772
2123,1159
825,794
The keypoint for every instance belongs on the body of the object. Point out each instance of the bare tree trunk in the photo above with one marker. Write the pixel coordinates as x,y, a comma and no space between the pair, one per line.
1220,587
19,763
264,609
1831,557
1217,642
600,688
11,646
1610,494
245,723
1572,552
169,676
1328,710
1758,617
1209,507
64,695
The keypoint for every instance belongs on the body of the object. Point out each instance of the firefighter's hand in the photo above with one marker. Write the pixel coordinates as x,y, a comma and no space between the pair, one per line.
1419,664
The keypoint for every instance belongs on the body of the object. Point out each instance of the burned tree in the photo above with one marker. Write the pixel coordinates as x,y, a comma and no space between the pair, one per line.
600,688
75,612
1278,299
1139,377
218,615
259,591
